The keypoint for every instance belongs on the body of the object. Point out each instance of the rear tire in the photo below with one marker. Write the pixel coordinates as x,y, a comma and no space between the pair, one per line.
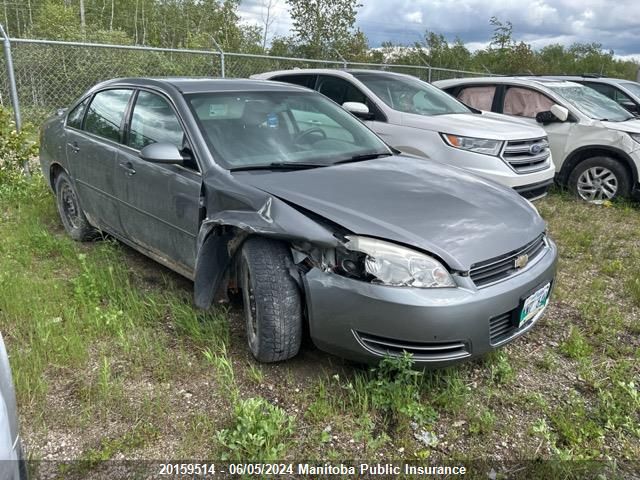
73,218
598,179
272,300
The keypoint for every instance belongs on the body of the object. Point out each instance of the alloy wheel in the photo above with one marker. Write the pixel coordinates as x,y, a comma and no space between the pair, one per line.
597,184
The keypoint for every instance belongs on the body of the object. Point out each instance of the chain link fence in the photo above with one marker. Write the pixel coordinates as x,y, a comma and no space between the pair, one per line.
51,74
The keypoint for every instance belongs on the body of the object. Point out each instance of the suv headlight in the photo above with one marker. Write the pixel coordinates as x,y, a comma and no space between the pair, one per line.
477,145
391,264
635,136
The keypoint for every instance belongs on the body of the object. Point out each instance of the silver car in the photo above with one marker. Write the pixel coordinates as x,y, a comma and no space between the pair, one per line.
12,465
319,225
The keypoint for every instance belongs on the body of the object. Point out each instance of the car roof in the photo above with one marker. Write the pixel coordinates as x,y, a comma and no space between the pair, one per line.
335,71
204,84
513,80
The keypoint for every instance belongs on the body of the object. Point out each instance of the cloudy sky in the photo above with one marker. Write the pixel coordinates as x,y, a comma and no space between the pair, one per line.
615,24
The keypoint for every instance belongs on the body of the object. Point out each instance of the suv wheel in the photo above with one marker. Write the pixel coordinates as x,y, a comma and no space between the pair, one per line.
598,179
272,300
73,218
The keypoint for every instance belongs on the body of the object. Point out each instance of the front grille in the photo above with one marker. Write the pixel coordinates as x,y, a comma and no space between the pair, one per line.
424,351
501,327
499,268
526,156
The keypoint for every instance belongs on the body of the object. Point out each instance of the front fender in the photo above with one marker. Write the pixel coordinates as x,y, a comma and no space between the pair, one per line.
222,233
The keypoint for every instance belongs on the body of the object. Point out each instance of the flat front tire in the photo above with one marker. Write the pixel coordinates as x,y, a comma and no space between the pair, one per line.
271,299
598,179
73,218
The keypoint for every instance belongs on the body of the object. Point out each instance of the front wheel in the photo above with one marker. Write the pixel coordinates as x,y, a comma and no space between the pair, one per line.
598,179
272,300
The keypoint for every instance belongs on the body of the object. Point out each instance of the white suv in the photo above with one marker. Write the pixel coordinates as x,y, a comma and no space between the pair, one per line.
417,118
595,142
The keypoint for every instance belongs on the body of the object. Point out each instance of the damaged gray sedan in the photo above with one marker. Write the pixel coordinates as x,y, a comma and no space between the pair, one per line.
275,192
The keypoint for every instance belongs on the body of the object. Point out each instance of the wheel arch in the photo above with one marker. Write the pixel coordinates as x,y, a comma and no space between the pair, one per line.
54,170
584,153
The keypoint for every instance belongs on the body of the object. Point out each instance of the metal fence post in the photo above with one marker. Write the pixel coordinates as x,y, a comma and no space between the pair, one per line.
429,74
13,91
221,52
342,59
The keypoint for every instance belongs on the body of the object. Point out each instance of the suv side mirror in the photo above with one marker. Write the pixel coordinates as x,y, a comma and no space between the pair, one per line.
360,110
556,114
162,152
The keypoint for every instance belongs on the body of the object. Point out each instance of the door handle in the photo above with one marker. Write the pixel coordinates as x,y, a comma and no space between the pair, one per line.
74,146
128,168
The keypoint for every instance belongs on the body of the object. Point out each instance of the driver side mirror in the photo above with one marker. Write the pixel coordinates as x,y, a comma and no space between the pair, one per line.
162,152
556,114
360,110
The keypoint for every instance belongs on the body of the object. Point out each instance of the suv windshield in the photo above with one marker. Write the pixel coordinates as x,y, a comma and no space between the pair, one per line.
271,129
591,103
410,95
633,87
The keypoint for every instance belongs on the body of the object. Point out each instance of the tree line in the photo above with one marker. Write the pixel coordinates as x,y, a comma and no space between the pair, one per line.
322,29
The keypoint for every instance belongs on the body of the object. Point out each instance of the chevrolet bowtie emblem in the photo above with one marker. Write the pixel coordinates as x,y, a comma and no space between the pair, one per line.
521,261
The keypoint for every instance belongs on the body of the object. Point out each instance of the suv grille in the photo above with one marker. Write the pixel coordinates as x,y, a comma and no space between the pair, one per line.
498,268
432,351
526,156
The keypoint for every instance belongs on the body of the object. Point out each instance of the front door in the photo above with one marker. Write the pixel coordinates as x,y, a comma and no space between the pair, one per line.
526,103
159,203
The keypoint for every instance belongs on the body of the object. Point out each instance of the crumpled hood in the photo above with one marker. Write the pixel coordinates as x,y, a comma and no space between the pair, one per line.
455,215
491,126
631,126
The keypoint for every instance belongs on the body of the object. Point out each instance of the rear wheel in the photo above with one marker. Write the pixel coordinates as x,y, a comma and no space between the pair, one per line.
272,300
598,179
73,218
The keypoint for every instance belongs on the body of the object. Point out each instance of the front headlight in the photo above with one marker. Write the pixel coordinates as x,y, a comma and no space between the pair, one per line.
635,136
394,265
477,145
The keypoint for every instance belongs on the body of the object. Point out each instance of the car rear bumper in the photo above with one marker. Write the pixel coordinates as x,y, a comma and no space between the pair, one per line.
364,322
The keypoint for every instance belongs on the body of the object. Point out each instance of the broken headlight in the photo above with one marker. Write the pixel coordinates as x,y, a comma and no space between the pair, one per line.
391,264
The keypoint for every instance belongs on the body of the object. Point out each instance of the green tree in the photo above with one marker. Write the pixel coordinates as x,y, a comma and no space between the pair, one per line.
323,26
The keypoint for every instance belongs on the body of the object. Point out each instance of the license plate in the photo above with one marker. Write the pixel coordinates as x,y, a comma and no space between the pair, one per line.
534,304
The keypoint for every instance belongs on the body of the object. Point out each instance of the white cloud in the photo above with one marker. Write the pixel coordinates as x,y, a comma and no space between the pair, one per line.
414,17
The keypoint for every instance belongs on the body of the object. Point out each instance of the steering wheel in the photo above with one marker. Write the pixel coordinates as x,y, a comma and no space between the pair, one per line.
311,130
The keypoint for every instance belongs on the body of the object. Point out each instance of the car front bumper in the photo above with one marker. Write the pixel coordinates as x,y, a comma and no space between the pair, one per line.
364,322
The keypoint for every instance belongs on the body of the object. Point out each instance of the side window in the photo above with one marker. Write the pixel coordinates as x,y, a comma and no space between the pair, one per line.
74,119
609,91
308,81
153,121
480,97
105,113
333,87
524,102
606,90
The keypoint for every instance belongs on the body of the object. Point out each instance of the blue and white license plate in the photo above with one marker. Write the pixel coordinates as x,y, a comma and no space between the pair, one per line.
534,304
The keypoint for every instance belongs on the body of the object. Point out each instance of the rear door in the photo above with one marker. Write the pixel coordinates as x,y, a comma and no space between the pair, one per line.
159,204
93,140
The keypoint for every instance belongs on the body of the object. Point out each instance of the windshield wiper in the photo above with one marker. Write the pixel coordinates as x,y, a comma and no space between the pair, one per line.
363,157
279,166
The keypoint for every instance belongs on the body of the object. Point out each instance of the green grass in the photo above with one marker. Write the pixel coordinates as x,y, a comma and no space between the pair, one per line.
107,350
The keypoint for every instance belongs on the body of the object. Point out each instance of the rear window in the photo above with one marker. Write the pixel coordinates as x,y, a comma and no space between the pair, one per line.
480,97
105,113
